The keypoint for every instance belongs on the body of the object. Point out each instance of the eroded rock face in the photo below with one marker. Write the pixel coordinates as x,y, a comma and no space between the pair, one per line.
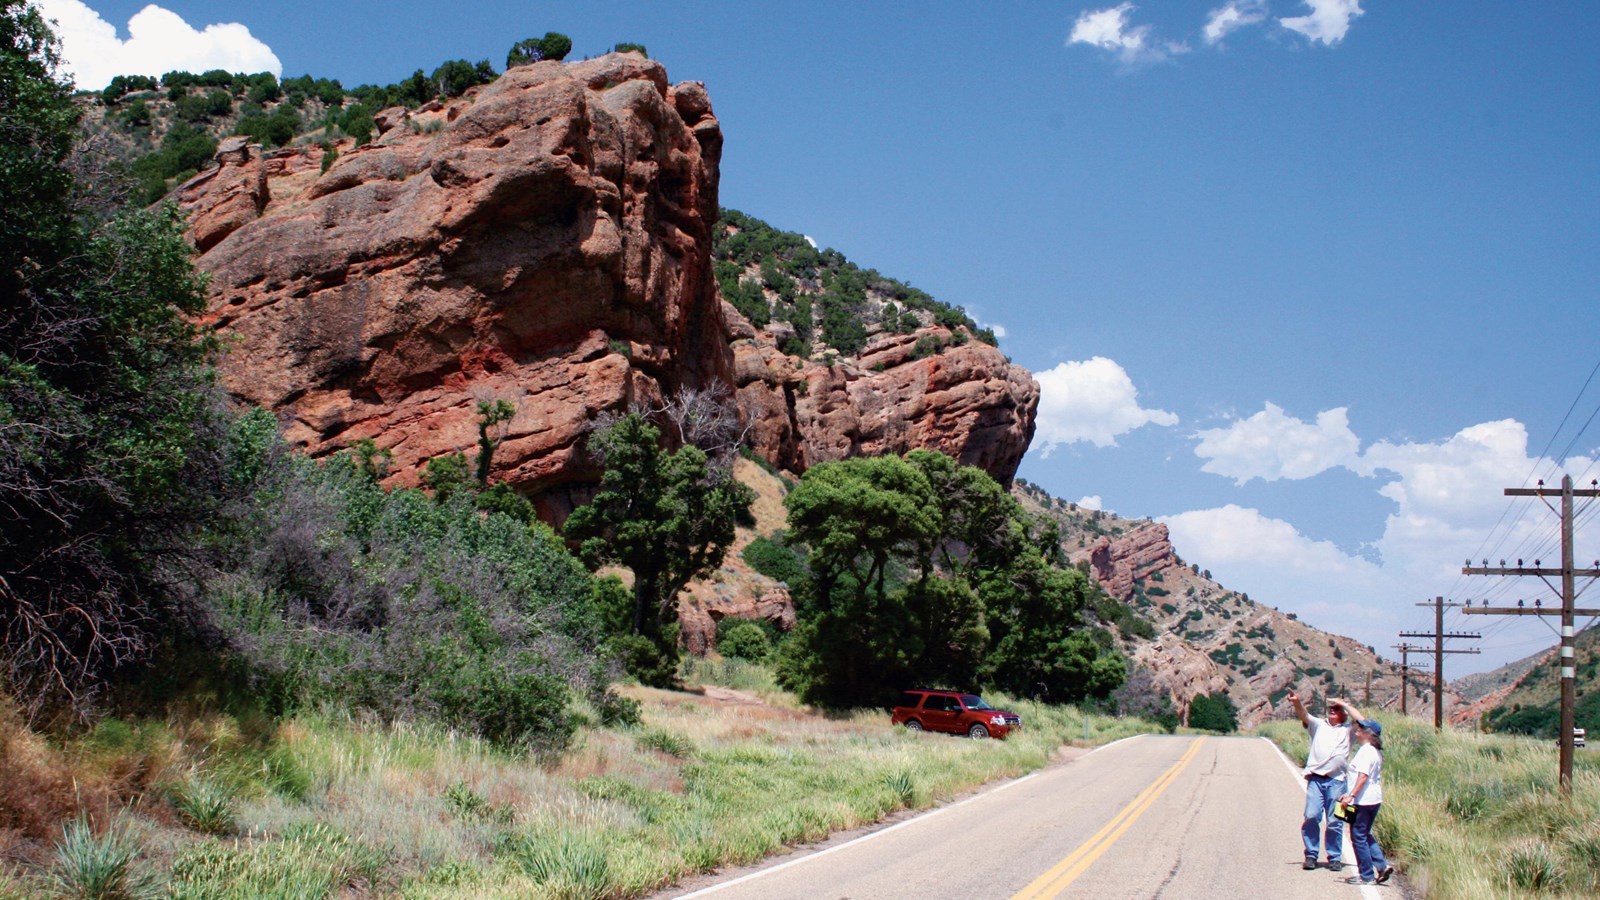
544,240
967,401
1117,564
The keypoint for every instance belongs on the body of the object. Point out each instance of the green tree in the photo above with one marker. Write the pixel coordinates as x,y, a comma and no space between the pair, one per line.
628,47
863,519
664,515
553,45
109,444
358,122
492,415
1214,712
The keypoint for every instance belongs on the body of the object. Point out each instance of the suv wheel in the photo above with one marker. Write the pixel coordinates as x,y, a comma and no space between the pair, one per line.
913,725
977,732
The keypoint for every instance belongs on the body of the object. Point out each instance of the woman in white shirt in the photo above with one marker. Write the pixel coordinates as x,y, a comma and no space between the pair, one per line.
1365,777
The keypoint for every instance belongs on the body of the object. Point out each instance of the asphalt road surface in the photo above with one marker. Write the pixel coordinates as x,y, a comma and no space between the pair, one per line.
1151,816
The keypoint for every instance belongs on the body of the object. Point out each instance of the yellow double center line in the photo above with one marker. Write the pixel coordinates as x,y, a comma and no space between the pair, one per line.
1063,873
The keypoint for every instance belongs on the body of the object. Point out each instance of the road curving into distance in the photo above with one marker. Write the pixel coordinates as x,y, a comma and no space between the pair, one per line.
1150,816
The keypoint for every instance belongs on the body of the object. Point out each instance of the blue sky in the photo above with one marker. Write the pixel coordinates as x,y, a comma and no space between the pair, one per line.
1313,288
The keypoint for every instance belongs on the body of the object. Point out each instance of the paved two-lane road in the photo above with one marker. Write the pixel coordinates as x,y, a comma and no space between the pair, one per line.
1152,816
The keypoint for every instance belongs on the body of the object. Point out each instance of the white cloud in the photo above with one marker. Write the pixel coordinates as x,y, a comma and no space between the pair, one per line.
1092,401
812,241
1093,501
1233,534
159,41
1277,565
1110,29
998,329
1448,504
1270,445
1327,22
1230,18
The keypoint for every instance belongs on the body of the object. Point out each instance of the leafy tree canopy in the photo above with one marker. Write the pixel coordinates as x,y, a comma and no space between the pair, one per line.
554,45
665,515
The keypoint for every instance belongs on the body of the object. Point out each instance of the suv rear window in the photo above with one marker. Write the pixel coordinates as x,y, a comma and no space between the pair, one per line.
910,699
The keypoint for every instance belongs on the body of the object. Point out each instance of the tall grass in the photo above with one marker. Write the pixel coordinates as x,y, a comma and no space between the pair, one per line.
325,805
1470,815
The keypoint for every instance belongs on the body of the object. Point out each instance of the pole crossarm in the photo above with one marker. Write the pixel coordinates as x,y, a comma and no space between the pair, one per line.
1542,572
1525,611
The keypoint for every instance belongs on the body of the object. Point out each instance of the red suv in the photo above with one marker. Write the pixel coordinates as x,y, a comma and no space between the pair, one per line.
952,712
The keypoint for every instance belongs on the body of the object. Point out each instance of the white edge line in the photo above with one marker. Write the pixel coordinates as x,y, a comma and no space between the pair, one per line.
1368,891
883,831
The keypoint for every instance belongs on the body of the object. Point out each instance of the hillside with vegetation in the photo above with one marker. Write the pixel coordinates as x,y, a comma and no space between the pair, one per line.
816,300
1528,700
1205,638
164,129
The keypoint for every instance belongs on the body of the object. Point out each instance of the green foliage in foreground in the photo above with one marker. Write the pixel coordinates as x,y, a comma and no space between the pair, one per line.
1479,816
340,592
108,432
927,573
665,515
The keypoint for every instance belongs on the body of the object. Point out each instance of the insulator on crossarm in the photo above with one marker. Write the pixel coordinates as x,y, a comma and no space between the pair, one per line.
1519,563
1521,603
1502,564
1538,603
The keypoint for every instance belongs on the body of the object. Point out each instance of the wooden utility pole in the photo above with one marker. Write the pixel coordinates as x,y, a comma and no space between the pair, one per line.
1569,574
1405,671
1439,636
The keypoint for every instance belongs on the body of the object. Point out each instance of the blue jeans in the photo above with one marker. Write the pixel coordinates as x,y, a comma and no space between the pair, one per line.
1369,856
1321,794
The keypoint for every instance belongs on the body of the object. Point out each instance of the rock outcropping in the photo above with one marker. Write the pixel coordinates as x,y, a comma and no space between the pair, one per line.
967,401
545,239
1118,563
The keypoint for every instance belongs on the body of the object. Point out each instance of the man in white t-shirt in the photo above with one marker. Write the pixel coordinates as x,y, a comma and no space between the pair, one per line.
1324,775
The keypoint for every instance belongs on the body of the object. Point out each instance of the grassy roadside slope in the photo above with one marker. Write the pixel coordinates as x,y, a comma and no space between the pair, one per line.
1469,815
323,805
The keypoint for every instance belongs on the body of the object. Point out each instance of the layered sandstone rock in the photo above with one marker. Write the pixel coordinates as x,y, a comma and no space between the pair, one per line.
966,400
546,240
1118,563
543,240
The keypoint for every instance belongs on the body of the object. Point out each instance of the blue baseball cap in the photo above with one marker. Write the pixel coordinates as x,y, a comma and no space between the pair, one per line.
1372,725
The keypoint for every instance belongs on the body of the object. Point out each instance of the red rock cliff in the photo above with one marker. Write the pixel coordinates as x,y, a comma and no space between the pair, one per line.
546,240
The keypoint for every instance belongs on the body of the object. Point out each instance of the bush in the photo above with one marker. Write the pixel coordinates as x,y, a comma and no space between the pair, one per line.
100,867
776,561
553,45
1214,712
745,640
626,47
344,593
205,805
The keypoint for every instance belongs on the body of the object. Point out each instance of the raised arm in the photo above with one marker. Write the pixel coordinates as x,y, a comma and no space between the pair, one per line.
1300,709
1351,714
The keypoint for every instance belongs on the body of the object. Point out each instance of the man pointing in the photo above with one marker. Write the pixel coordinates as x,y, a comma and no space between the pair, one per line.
1324,774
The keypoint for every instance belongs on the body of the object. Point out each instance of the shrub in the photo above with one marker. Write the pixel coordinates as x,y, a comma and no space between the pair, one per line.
100,867
1213,712
394,602
553,45
667,742
205,805
626,47
1530,865
745,640
776,561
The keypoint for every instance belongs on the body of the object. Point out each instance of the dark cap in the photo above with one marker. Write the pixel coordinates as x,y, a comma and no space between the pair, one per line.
1372,725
